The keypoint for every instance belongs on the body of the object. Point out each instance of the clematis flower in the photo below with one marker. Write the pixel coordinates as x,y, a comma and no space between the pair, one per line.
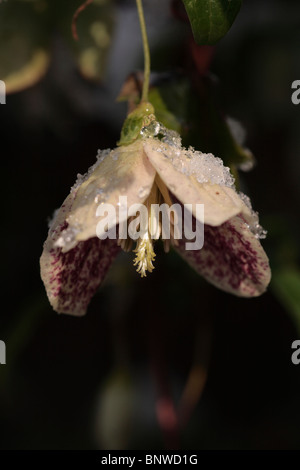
152,168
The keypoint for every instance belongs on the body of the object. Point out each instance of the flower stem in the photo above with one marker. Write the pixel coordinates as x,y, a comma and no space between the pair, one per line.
75,16
146,51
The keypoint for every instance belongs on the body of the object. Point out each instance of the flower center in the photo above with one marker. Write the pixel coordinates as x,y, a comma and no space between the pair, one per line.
144,250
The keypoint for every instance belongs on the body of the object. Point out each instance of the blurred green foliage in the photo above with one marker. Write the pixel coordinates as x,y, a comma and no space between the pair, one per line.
28,29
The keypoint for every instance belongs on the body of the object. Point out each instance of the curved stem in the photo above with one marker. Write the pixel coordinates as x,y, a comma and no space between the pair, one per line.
146,51
75,16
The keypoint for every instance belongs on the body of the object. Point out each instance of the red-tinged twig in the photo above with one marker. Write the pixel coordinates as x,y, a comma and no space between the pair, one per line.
192,394
164,407
75,16
198,374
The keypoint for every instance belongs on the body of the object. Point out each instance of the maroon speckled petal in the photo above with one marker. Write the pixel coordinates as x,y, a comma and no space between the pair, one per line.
232,259
72,278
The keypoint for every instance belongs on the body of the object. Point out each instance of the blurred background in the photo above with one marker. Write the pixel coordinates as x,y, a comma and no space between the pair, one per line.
168,361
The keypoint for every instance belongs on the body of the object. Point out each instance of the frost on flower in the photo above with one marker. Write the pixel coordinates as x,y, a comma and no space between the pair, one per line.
153,169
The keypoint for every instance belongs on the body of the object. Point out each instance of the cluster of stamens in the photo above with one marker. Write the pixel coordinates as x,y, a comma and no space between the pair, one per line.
144,251
145,256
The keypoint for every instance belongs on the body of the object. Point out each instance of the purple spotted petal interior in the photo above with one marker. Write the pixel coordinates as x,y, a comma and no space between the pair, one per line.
72,278
231,259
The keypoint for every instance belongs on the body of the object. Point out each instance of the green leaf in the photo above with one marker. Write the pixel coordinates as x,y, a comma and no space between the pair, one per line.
211,19
162,113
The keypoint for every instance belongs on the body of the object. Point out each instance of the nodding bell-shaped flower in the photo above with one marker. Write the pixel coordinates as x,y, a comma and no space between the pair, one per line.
150,167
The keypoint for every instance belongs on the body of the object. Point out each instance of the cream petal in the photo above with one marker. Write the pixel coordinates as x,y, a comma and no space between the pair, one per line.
72,278
125,171
232,259
221,203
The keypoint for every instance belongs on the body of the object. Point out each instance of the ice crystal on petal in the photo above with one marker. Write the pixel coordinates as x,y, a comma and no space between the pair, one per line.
101,155
67,239
171,137
79,180
208,168
255,226
204,166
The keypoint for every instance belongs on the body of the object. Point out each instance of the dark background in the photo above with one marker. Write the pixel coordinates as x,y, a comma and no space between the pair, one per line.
100,381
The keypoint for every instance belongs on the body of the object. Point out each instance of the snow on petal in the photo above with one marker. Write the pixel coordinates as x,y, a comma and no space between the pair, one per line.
232,259
72,278
125,171
196,178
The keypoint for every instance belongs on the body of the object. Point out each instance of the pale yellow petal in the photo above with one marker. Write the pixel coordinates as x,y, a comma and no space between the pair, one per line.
221,203
125,171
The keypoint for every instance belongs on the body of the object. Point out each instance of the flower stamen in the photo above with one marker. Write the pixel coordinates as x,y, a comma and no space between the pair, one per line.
145,256
144,250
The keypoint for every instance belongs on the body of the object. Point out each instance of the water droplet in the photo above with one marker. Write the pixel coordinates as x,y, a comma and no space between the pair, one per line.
151,130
